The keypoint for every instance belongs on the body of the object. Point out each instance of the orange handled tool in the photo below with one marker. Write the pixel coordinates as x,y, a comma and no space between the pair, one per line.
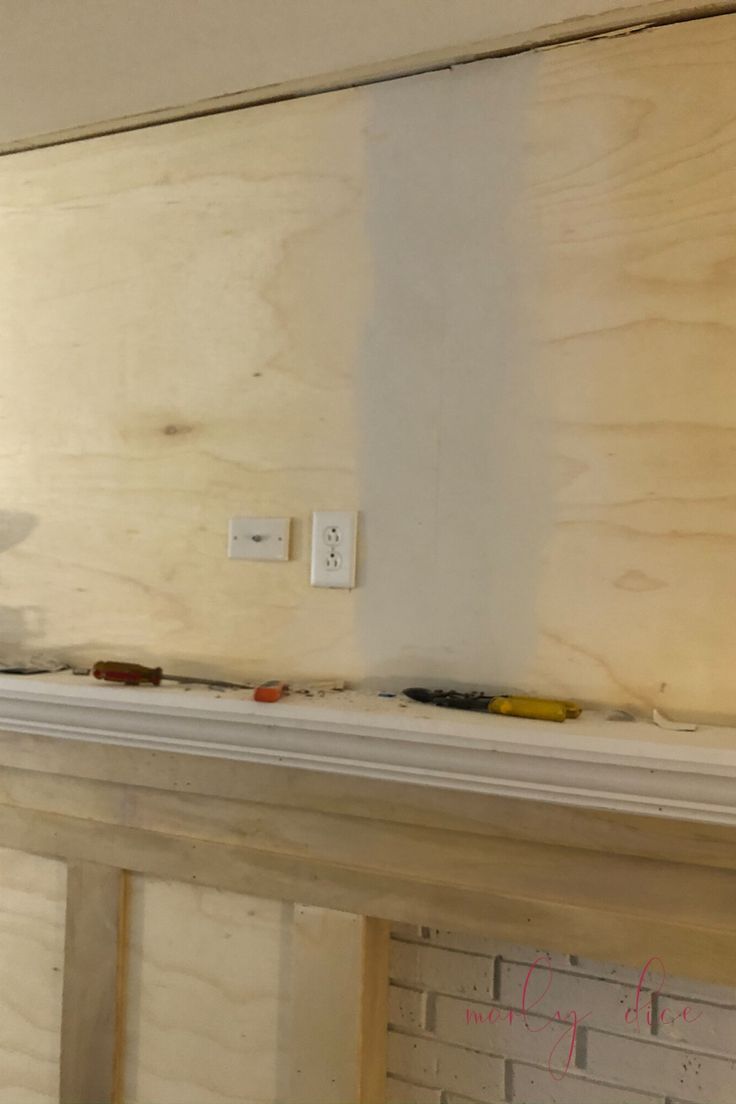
269,691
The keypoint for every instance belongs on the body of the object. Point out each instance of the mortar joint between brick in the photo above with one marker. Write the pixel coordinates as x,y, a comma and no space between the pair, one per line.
496,976
580,1058
429,1020
508,1081
654,1025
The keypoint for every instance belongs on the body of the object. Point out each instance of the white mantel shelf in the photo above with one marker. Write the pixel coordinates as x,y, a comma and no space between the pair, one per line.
591,762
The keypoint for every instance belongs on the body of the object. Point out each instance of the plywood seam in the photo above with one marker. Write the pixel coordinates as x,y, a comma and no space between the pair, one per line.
121,989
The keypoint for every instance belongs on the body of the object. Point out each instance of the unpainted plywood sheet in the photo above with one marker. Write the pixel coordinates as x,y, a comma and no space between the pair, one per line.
206,991
32,909
490,308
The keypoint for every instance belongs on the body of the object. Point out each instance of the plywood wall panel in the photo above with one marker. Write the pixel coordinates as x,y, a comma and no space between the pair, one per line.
197,366
32,908
236,998
207,989
491,308
633,176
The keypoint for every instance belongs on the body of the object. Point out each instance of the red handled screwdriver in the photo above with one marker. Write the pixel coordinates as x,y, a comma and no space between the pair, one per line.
135,674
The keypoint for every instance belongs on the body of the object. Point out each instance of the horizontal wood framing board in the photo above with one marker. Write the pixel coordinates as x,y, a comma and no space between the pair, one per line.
602,904
25,758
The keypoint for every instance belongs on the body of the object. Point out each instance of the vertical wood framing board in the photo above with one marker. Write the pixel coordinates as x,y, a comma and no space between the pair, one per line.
374,1004
337,1024
94,965
32,903
206,993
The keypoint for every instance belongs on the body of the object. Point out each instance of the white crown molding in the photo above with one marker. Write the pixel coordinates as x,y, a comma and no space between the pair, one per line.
594,763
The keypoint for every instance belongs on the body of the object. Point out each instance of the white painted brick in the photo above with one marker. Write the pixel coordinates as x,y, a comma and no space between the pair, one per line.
437,1065
681,987
515,952
713,1030
511,1040
674,1100
536,1086
477,944
604,1003
653,1067
627,975
453,1098
442,971
449,973
407,1008
700,990
401,1092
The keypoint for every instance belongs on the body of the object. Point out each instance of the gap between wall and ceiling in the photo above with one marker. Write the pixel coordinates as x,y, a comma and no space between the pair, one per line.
610,24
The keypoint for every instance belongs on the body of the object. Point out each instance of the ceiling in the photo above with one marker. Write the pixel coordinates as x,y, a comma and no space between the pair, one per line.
80,63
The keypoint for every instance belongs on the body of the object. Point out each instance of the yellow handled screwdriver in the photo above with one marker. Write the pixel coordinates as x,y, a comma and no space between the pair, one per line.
508,705
536,709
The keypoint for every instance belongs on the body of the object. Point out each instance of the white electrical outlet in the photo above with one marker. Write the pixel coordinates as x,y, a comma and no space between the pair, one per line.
334,535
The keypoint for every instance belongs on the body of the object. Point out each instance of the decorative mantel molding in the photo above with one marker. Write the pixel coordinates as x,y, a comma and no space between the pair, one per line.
591,762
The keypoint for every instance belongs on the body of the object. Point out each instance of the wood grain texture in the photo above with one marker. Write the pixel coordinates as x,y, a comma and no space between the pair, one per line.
43,773
232,997
324,1055
542,347
426,868
374,1010
164,455
207,988
648,905
631,187
373,845
91,1039
32,897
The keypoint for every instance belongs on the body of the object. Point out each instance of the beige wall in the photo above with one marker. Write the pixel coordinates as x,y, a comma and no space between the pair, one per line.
68,65
490,308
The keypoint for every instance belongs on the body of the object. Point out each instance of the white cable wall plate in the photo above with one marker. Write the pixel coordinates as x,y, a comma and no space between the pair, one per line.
252,538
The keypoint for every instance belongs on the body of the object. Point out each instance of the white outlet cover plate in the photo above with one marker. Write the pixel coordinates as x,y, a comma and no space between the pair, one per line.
251,538
334,534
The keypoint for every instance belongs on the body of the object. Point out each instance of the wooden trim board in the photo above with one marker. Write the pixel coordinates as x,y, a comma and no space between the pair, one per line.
374,1011
42,772
592,763
94,967
339,990
394,861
